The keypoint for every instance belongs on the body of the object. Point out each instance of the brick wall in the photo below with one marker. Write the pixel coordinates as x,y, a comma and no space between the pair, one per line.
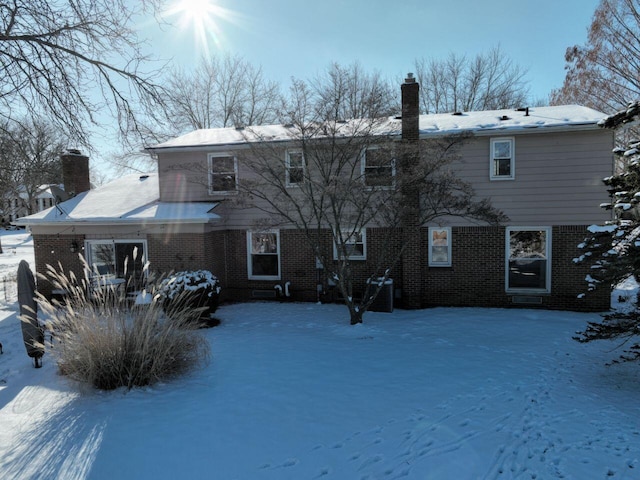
568,278
475,278
177,251
54,249
477,274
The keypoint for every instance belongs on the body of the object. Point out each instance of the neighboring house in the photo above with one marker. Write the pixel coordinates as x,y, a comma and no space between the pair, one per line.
543,167
20,205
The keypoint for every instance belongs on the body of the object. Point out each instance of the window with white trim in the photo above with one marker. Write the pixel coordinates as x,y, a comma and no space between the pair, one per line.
502,159
117,258
528,259
296,167
439,246
378,167
354,243
263,255
223,173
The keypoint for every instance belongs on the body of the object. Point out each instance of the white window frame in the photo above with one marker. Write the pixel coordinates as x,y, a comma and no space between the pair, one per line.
363,169
210,160
346,233
288,167
492,160
250,253
434,260
88,248
547,258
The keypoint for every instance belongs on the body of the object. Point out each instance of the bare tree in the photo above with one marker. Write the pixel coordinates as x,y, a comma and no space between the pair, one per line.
72,60
337,177
224,91
29,158
221,92
603,73
487,82
345,92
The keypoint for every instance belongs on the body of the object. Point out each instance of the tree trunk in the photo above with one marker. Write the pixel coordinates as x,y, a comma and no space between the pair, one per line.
356,316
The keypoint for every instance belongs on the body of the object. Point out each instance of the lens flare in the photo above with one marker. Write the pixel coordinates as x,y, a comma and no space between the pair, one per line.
200,16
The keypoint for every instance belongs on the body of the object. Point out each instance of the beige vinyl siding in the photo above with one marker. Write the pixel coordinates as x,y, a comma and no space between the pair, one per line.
183,176
558,177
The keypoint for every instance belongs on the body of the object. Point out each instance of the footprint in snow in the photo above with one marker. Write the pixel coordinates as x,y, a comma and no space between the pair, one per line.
371,461
324,472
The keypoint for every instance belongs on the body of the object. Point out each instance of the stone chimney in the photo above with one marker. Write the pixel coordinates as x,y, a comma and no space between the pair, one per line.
410,108
75,172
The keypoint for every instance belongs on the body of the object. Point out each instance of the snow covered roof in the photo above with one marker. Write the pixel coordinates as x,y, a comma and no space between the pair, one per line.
129,199
490,121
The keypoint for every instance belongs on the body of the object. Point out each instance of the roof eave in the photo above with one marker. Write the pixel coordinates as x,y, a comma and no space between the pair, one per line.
115,222
506,129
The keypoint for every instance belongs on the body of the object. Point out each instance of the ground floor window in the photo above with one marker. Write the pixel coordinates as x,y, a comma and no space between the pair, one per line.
263,255
354,245
439,246
528,258
117,258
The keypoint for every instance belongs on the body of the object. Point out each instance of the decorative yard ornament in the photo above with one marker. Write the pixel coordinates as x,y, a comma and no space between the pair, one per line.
32,332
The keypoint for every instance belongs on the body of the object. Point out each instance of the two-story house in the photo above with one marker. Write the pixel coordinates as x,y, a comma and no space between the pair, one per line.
542,167
22,204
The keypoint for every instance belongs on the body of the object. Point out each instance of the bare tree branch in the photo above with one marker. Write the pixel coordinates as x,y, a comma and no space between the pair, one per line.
487,82
70,60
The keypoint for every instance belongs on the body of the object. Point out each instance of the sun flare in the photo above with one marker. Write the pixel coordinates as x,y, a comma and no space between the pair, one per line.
200,16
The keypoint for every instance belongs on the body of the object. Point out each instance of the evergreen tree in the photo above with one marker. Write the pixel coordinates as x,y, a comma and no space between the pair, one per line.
613,249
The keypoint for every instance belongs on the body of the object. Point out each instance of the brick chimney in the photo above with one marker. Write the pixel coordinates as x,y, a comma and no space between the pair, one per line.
412,255
410,108
75,172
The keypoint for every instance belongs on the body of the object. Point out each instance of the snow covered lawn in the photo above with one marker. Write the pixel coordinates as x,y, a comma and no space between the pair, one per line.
294,392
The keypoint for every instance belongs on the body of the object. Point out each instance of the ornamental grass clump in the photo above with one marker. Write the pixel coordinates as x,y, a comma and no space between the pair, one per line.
102,341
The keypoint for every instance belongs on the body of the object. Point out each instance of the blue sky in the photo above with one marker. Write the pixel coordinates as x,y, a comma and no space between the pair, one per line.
300,38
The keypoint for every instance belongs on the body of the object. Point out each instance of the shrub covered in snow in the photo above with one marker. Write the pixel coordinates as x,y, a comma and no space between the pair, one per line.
197,289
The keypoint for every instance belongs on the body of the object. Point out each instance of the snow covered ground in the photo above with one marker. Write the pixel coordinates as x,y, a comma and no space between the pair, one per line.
294,392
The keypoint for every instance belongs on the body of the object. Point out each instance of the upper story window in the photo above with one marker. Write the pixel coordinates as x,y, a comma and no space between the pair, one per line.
378,168
502,159
296,167
263,251
223,173
528,259
354,243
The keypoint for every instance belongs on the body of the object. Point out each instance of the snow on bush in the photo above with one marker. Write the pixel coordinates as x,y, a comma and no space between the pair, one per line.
189,280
